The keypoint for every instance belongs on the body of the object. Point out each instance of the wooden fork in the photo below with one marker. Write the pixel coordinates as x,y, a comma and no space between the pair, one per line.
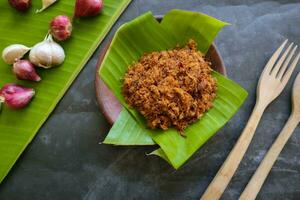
271,83
265,166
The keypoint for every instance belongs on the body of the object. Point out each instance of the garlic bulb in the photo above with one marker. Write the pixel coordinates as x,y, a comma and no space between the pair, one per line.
14,52
47,53
46,4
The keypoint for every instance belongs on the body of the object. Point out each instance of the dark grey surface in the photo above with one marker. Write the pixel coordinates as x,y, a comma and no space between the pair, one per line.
66,161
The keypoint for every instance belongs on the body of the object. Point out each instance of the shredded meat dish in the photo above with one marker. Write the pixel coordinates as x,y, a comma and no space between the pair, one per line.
171,88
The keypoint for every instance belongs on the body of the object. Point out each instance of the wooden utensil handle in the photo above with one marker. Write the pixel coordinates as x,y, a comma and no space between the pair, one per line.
264,168
226,172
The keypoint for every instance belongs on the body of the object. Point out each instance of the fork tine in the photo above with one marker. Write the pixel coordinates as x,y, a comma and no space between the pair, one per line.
290,70
284,66
274,57
281,59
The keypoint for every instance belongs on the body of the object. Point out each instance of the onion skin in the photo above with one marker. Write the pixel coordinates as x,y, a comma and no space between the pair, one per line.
86,8
20,5
16,96
61,27
25,70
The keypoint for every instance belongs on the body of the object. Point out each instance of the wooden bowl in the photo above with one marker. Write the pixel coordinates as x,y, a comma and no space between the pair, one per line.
109,104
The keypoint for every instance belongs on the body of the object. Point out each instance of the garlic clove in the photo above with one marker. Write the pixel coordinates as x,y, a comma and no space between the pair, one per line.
16,96
25,70
46,4
14,52
58,56
47,53
41,55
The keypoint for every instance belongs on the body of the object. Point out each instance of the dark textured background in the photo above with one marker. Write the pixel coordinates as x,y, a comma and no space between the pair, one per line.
66,161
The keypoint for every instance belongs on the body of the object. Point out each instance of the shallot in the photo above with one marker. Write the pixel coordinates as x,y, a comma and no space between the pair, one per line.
61,27
25,70
21,5
86,8
16,96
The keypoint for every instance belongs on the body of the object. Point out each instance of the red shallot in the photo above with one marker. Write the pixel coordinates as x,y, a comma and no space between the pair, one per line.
21,5
61,27
85,8
25,70
16,96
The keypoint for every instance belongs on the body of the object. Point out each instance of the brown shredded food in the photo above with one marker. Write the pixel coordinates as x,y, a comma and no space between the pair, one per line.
171,88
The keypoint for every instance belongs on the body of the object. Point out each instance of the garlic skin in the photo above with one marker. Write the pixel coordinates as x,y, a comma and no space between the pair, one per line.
47,53
14,52
16,96
46,4
25,70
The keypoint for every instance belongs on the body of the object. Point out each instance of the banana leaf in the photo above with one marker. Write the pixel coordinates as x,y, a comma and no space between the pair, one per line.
18,127
176,149
144,34
126,131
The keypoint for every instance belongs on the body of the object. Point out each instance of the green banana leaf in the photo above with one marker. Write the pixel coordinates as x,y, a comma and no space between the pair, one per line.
145,34
126,131
18,127
176,149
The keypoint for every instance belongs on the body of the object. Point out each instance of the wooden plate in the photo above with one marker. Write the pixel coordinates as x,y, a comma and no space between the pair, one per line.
109,104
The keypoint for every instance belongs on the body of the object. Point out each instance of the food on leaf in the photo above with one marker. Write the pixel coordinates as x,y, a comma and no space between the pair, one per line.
61,27
47,53
46,4
171,88
21,5
14,52
144,35
16,96
25,70
86,8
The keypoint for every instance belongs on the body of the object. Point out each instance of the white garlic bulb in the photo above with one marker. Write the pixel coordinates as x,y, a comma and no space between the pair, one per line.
47,53
14,52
